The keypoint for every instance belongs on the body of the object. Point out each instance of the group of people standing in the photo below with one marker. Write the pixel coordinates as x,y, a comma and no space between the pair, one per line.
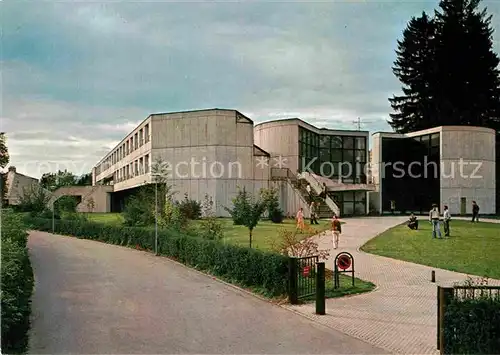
435,219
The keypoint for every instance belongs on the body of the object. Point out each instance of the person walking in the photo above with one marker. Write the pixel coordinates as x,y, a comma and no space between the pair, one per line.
475,211
393,206
446,221
300,219
336,230
434,219
314,214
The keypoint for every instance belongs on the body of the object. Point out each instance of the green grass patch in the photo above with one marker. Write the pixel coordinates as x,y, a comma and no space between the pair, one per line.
238,235
473,248
108,218
345,289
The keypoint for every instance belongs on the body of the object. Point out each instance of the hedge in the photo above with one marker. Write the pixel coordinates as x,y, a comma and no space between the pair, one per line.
267,272
17,284
472,326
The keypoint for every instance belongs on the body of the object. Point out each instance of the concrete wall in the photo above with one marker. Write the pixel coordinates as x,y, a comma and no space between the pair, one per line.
468,168
280,138
290,199
99,194
473,148
207,152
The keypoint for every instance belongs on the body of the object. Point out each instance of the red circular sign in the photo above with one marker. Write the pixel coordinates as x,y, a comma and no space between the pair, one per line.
344,262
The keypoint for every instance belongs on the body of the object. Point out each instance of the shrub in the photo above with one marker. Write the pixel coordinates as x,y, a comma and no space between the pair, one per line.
211,227
271,200
290,243
190,209
252,268
472,326
17,284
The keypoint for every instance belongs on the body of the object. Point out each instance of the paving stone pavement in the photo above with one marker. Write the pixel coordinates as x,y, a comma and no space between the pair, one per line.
401,314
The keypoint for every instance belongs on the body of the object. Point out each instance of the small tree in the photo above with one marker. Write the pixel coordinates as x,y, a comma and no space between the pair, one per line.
240,207
291,243
34,199
191,209
247,211
212,228
90,204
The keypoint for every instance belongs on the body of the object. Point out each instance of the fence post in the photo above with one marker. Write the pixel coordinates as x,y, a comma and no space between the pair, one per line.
438,333
293,296
445,296
320,288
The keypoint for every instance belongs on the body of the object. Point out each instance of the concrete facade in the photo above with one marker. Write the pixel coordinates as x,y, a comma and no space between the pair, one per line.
93,198
202,152
467,167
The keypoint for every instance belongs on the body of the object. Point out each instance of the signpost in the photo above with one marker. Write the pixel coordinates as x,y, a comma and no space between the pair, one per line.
344,263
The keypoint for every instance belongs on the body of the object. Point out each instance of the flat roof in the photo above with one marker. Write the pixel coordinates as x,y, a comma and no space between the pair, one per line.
152,115
296,119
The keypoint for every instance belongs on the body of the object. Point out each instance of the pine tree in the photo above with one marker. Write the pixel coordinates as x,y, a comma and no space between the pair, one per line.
414,67
459,84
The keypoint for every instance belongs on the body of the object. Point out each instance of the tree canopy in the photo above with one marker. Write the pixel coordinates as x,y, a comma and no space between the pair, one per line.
448,70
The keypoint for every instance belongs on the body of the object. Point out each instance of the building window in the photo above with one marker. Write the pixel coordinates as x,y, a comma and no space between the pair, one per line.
146,164
141,166
141,139
127,151
146,133
136,142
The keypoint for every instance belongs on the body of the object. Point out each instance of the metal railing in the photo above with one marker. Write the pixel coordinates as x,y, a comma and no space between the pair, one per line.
302,281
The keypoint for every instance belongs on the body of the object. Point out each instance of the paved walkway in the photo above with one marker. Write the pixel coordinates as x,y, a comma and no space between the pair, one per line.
95,298
401,315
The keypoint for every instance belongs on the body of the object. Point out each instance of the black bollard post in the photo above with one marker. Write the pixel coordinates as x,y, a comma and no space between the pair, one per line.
433,276
320,289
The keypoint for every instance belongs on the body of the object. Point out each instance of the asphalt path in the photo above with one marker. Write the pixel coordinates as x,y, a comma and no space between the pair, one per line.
95,298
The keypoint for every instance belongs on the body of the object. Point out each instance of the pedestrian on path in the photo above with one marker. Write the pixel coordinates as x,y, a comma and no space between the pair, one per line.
336,230
434,219
314,215
475,211
300,219
446,221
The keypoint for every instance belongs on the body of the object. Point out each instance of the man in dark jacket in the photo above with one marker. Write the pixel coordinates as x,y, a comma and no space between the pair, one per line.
475,211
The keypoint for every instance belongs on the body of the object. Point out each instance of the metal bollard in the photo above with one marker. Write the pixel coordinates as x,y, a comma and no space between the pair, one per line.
320,289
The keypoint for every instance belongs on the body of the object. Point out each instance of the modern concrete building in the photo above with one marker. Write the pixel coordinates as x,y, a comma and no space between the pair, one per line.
450,165
213,152
203,152
335,159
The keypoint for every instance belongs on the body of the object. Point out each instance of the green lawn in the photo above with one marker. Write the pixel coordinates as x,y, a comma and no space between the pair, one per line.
345,288
109,218
233,234
262,233
473,248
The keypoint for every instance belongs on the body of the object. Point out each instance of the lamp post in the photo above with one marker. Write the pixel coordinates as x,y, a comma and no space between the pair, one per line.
156,217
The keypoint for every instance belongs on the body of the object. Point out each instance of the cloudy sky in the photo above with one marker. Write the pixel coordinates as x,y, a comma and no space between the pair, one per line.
77,76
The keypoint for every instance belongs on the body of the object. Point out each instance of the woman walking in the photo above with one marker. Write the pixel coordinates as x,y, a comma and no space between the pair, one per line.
300,219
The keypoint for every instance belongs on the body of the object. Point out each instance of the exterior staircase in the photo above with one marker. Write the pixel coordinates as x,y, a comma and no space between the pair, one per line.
299,185
318,188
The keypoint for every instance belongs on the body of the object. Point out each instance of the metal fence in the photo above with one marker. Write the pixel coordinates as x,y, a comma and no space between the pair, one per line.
302,278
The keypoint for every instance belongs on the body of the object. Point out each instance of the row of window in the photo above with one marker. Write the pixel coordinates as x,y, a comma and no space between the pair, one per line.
134,142
136,168
330,141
